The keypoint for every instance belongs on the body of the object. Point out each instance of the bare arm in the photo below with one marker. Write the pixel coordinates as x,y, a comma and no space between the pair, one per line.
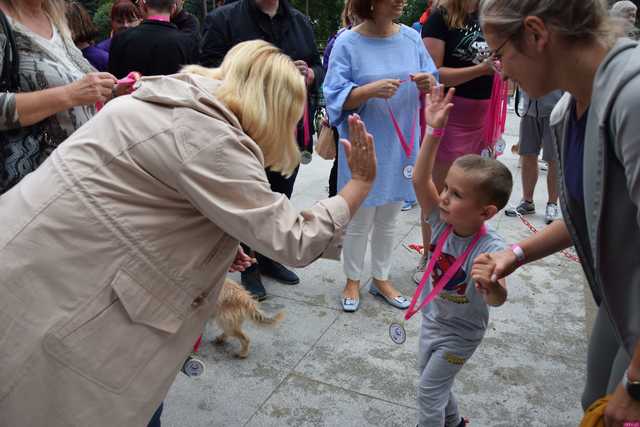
550,240
437,114
384,89
426,191
32,107
452,77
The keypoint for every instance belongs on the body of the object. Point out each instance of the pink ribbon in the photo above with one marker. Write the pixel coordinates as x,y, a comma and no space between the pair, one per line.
406,146
130,79
447,276
497,115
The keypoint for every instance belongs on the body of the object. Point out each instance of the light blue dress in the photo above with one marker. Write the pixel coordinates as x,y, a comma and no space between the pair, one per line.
357,60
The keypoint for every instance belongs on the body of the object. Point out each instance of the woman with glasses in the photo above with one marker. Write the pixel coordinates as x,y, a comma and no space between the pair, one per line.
546,45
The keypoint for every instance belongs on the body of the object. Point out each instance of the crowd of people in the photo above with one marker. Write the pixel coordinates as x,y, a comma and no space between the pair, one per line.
114,244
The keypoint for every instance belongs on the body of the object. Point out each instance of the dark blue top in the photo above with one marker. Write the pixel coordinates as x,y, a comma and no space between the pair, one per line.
97,57
574,155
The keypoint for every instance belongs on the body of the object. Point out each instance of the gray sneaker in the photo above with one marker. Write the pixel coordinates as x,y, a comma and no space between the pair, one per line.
551,213
524,208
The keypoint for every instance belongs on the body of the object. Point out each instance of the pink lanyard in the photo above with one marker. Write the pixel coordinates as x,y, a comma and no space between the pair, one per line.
407,147
306,126
447,276
307,131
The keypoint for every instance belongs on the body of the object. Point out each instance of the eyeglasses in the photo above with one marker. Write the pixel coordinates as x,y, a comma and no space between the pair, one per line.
495,55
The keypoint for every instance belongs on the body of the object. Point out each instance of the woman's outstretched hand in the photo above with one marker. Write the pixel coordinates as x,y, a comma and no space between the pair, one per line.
360,151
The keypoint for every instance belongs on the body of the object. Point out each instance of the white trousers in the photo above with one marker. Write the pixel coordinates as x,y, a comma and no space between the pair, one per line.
380,221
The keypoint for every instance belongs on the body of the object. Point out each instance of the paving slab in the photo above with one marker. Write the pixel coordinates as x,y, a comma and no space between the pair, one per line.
323,367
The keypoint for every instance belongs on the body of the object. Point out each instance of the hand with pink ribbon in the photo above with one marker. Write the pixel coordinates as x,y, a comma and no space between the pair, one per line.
424,81
439,106
384,88
92,88
125,85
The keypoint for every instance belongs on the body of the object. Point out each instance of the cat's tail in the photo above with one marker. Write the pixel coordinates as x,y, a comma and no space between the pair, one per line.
259,318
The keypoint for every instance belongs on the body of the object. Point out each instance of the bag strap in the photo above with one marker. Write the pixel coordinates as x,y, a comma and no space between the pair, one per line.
516,104
9,79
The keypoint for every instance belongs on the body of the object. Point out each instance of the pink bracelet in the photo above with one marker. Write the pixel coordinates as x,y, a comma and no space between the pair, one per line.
435,132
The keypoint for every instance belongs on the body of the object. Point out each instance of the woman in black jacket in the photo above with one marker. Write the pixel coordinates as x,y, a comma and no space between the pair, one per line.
276,22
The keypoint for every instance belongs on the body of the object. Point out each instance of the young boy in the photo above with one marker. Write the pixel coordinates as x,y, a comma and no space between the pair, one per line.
454,322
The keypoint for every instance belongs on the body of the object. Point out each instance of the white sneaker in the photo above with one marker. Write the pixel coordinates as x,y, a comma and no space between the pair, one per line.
422,266
543,165
551,213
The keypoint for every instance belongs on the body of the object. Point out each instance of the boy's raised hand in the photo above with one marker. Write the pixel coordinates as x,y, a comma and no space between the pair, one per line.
438,106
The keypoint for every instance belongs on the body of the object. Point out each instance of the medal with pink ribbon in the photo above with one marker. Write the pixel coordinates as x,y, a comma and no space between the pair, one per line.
396,330
407,170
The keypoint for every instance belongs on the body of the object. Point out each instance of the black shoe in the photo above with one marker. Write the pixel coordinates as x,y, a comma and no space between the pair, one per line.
251,281
277,271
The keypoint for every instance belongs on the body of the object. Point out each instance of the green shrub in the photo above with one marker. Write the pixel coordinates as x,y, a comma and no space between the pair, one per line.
103,20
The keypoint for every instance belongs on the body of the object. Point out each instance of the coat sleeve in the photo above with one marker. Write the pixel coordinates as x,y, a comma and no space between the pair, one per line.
626,136
227,183
216,42
315,61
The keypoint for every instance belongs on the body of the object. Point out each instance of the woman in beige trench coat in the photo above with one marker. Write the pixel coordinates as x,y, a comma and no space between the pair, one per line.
113,252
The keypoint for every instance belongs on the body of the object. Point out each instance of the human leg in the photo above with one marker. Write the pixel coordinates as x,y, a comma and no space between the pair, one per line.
436,404
353,252
384,225
604,353
529,176
265,265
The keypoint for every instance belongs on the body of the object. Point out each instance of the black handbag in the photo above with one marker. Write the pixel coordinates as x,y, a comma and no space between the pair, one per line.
21,148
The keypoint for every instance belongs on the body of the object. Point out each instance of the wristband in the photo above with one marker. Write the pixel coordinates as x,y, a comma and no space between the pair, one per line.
435,132
519,253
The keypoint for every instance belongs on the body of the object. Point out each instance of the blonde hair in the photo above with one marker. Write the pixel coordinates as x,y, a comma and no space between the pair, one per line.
265,90
54,8
456,11
575,20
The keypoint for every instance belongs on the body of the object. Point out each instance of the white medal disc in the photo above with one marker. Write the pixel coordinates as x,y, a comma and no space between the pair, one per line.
305,157
397,333
408,172
193,367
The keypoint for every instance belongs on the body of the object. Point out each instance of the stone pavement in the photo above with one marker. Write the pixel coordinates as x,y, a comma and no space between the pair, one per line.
324,367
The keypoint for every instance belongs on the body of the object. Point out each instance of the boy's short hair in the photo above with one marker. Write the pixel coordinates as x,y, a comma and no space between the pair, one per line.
494,180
